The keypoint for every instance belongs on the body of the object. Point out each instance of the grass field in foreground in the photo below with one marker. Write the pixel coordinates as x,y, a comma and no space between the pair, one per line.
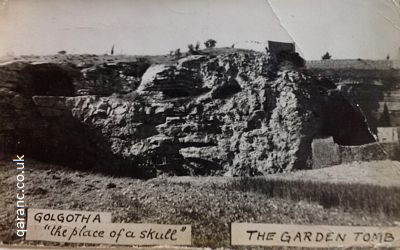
209,204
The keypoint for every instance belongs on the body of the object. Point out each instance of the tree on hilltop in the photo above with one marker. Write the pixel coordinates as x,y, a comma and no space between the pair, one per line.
326,56
210,43
191,49
177,53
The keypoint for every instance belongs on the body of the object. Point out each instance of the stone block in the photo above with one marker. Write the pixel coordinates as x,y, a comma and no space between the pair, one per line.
325,152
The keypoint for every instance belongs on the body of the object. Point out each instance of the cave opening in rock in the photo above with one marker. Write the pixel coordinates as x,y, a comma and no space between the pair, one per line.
48,80
345,122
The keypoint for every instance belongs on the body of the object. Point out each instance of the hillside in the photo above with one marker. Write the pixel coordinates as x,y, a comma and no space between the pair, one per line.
221,112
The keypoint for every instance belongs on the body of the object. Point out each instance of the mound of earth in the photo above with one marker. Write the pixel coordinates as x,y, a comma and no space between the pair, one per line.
236,113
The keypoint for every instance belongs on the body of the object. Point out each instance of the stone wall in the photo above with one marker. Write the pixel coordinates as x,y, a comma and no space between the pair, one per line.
352,64
325,152
388,134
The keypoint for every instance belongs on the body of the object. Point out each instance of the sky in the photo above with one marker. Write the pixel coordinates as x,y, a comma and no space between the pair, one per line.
345,28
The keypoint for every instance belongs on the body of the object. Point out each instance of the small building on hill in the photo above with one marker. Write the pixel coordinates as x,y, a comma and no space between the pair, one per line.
278,47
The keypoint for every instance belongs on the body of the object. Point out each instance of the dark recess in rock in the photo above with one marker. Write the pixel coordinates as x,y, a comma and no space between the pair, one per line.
344,121
47,79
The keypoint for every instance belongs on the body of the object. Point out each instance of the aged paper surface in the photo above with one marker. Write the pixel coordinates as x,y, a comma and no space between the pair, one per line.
112,233
165,114
37,216
321,236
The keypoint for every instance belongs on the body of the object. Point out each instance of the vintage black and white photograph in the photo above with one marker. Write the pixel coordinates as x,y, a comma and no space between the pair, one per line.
198,114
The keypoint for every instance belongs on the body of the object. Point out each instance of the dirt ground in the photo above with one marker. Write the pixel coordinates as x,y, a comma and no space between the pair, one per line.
208,203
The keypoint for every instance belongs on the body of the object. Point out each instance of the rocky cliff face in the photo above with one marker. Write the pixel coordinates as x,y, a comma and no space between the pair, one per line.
371,88
236,113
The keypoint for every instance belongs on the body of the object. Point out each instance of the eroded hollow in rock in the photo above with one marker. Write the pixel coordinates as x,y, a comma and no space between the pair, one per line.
344,121
172,93
47,79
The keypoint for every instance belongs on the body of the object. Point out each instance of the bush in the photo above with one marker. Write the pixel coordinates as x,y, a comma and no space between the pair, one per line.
210,43
326,56
177,53
191,48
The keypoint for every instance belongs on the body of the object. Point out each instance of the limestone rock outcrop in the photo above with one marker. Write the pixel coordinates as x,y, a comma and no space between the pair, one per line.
231,114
